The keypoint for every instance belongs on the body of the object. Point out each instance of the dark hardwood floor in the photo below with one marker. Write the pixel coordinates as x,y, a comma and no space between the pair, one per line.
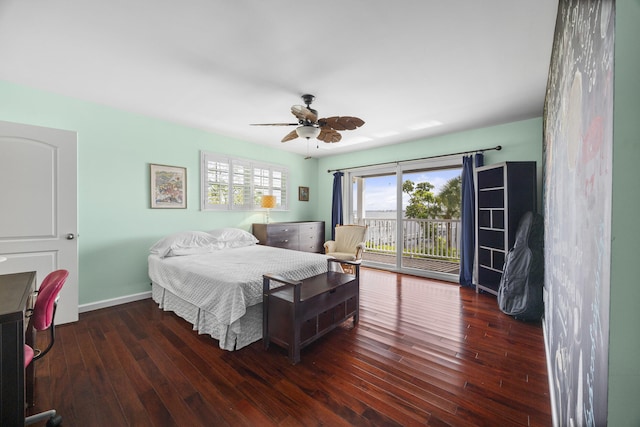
424,353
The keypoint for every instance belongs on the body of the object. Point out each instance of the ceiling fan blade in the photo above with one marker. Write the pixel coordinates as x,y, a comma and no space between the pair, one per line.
291,135
309,124
341,122
329,135
273,124
305,114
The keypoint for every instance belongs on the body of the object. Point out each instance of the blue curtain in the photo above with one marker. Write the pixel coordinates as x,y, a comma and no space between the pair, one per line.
467,220
336,208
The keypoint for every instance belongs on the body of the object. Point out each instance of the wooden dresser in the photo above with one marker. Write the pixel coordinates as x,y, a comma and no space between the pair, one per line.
307,236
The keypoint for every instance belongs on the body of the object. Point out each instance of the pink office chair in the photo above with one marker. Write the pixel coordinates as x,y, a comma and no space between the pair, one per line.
42,318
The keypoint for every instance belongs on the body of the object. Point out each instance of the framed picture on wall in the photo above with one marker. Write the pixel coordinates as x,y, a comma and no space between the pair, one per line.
303,194
168,187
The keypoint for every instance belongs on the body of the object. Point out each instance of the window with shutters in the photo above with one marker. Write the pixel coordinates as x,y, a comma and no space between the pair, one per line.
231,183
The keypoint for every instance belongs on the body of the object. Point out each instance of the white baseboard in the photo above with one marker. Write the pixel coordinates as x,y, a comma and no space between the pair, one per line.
112,302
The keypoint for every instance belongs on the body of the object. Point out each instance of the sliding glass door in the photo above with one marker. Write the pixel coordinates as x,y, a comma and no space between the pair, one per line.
374,204
412,211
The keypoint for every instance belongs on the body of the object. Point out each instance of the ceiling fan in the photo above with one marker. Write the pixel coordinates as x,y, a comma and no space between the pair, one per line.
310,126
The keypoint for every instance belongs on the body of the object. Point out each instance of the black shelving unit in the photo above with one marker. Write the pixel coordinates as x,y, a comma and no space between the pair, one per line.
504,192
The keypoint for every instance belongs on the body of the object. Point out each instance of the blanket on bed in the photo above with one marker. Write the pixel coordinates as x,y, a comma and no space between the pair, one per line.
226,282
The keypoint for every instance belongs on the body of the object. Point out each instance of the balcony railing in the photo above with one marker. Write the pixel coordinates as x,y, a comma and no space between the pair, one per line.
422,238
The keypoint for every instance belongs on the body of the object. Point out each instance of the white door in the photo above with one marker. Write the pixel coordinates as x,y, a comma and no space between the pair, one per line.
38,206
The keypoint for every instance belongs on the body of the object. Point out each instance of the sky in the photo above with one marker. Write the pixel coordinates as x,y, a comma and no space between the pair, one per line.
380,191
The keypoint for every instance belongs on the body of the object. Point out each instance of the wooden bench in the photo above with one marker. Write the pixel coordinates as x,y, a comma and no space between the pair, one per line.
299,312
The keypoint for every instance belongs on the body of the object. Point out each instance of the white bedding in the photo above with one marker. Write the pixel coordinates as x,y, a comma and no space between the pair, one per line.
221,285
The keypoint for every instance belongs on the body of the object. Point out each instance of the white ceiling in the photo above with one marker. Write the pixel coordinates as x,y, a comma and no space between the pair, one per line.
221,65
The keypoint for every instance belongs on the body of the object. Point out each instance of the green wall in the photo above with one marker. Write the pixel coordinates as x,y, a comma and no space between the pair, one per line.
624,339
115,223
519,140
116,226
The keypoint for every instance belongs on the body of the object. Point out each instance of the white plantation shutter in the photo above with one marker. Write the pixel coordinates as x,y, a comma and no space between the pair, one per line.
279,184
270,179
238,184
215,186
241,189
261,183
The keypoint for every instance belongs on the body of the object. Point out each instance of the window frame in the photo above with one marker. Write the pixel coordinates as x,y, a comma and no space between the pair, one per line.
248,177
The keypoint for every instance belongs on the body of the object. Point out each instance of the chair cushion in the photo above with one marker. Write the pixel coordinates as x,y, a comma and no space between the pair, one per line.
28,355
44,309
348,237
348,256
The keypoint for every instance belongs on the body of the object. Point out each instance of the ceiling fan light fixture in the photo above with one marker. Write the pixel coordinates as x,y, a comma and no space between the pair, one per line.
307,131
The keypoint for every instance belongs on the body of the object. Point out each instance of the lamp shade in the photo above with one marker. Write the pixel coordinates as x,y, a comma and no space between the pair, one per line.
268,202
307,131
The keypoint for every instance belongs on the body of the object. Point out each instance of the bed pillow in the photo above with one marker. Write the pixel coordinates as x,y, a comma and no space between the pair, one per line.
233,237
185,243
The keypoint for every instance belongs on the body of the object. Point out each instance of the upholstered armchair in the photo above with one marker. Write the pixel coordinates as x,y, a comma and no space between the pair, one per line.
349,242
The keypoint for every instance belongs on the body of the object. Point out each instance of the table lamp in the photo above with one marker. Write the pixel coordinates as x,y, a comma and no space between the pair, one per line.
268,202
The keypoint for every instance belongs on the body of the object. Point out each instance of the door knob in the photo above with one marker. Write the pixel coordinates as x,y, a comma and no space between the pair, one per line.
71,236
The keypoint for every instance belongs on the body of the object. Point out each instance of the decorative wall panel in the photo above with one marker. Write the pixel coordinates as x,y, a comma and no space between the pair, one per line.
577,165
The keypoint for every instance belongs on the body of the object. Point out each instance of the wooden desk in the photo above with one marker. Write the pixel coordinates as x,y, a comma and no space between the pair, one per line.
300,312
16,291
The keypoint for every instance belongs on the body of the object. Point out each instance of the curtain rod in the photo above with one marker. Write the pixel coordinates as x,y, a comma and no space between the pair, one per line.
497,148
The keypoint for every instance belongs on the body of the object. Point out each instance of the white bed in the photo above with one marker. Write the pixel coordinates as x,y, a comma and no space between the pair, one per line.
216,285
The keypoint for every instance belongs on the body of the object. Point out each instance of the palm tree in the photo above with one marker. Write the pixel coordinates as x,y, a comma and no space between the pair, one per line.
424,204
451,200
